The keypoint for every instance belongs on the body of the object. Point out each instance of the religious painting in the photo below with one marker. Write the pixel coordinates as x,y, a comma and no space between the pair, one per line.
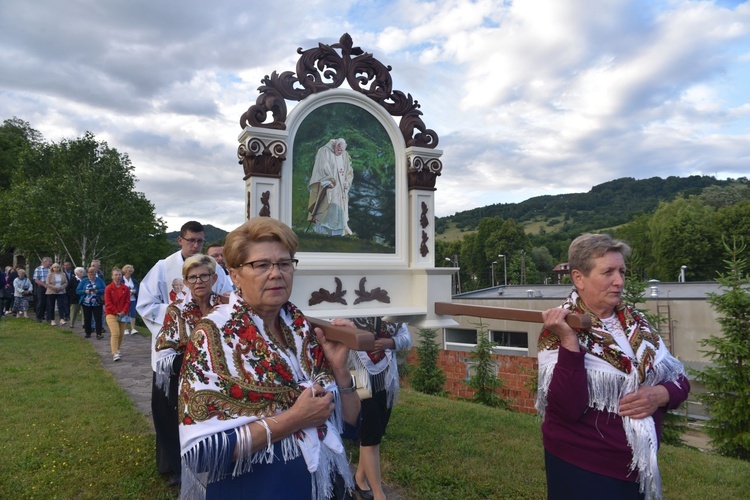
344,182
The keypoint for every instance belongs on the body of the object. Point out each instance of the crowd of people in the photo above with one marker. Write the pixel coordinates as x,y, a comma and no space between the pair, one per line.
249,400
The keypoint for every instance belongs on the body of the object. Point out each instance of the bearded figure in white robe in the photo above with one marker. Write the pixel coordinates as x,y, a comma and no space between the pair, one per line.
331,179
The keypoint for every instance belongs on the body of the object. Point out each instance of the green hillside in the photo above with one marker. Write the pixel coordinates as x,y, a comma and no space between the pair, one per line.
606,205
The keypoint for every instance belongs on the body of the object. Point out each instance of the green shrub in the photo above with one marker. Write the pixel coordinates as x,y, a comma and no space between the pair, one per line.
428,377
485,381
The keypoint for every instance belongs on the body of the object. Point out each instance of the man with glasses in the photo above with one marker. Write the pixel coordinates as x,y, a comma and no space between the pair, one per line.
153,299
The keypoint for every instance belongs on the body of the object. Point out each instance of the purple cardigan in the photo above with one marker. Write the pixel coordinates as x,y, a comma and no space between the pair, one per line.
591,439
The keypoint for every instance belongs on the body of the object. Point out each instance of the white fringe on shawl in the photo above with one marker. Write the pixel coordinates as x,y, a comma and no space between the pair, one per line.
202,451
165,357
323,458
606,386
164,362
383,374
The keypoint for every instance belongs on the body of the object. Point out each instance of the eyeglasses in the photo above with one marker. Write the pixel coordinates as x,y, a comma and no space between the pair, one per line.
193,241
193,278
285,266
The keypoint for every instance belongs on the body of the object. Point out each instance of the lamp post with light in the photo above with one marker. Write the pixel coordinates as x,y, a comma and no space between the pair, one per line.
505,267
457,283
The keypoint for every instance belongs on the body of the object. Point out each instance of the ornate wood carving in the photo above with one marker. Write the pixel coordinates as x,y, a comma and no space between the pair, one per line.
375,294
423,221
260,159
423,174
323,295
323,68
265,210
423,250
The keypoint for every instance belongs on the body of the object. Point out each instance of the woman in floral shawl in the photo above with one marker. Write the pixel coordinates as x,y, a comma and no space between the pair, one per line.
263,400
199,274
603,391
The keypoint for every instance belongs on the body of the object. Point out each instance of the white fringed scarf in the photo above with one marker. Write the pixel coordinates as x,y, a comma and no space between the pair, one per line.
381,367
235,374
612,374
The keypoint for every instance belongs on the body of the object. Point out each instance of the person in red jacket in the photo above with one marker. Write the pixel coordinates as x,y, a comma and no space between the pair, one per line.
117,310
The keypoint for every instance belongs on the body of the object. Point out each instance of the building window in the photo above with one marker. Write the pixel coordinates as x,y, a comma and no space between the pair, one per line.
460,336
510,339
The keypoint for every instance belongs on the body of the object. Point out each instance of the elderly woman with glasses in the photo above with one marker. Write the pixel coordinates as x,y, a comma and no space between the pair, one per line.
199,274
263,400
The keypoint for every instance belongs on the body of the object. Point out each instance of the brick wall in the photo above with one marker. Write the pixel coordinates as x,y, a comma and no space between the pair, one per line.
518,374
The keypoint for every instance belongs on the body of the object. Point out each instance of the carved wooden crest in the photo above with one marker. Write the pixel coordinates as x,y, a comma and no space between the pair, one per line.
328,67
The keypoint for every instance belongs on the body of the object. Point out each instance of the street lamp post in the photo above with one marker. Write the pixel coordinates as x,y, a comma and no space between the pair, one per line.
492,272
457,284
505,268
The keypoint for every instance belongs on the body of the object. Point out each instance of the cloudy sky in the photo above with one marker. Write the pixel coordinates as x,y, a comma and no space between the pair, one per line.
529,97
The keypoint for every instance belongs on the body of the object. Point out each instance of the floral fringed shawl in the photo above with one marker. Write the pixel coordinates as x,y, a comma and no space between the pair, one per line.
612,374
234,373
181,317
380,367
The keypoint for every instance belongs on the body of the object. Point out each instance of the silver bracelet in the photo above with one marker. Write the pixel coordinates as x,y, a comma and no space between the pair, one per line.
349,390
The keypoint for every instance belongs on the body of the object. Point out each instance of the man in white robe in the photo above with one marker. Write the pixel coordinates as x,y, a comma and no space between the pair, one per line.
329,185
153,299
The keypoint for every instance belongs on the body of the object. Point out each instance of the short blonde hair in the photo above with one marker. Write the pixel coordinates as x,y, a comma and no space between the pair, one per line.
198,260
127,267
260,229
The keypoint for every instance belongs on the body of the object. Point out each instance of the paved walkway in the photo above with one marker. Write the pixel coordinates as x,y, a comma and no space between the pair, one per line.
133,371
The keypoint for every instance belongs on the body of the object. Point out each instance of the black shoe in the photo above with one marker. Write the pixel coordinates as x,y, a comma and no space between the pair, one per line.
364,494
174,480
88,336
99,337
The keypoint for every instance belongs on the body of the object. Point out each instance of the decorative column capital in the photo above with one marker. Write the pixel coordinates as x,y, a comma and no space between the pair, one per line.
423,167
261,154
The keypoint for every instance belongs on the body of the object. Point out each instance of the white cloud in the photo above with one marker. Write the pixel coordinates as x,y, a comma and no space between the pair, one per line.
528,98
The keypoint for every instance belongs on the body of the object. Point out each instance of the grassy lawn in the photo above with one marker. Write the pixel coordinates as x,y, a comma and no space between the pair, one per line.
70,432
68,429
438,448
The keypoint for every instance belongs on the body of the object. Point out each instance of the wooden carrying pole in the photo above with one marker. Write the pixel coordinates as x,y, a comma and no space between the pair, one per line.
527,315
353,338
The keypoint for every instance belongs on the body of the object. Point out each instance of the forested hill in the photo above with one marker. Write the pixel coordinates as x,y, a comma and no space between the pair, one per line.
606,205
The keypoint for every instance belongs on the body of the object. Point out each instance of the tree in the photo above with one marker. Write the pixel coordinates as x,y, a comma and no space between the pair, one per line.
727,379
17,138
485,381
428,377
76,200
684,233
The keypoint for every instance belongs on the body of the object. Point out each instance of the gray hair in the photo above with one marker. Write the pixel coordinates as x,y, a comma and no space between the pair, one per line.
587,247
79,271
